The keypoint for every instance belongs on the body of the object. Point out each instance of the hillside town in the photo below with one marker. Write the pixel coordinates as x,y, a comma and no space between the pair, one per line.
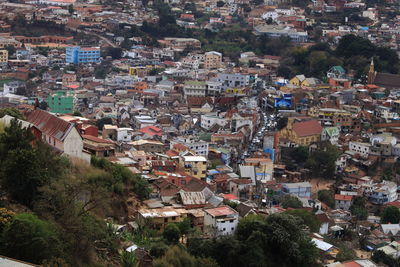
223,111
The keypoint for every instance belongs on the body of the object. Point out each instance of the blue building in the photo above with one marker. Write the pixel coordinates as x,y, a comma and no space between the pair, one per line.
81,55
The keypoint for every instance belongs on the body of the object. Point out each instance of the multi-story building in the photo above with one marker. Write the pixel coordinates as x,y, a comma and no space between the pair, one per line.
301,132
360,148
212,60
382,193
194,88
211,119
214,88
233,80
194,165
159,218
302,189
82,55
3,56
198,146
343,202
221,221
61,102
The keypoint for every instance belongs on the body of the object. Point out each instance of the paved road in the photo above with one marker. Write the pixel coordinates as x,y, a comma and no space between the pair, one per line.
97,35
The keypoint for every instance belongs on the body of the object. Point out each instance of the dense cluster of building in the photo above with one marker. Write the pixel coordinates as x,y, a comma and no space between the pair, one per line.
207,131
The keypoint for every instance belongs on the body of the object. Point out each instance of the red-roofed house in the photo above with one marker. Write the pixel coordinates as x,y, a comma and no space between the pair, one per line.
343,202
58,133
302,132
151,131
220,221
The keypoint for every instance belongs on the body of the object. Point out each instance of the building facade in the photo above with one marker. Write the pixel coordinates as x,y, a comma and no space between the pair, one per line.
82,55
61,102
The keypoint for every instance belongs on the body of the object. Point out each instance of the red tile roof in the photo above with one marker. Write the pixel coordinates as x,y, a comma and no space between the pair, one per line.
343,197
97,139
49,124
307,128
151,130
220,211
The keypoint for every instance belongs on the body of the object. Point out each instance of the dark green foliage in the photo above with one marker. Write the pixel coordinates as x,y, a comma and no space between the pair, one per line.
114,52
380,257
13,112
278,240
30,239
282,123
289,201
346,254
322,161
179,257
358,208
171,233
158,249
390,215
309,219
118,176
300,154
100,123
326,196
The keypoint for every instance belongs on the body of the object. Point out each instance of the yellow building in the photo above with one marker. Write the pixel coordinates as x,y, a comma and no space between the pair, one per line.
212,60
138,71
264,167
196,166
302,132
3,56
236,91
161,217
303,81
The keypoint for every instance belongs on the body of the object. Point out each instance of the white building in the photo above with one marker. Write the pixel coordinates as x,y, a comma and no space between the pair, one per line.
124,134
233,80
382,193
58,133
214,88
221,221
200,147
194,88
360,148
210,119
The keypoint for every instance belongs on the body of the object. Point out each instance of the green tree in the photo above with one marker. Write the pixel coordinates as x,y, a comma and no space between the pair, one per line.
309,218
322,161
114,52
171,233
71,9
220,3
185,226
10,49
358,208
346,254
77,113
100,123
300,154
390,215
326,196
178,257
128,259
13,112
30,239
289,201
282,123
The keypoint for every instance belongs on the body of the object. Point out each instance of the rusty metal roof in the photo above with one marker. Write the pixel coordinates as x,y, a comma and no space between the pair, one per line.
49,124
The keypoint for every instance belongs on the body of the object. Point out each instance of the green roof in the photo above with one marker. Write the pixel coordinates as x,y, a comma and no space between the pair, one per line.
339,69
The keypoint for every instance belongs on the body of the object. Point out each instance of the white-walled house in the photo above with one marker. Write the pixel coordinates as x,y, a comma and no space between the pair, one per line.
221,221
360,148
58,133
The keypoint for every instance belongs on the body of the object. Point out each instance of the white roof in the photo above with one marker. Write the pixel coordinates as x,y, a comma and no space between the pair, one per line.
131,248
321,244
194,158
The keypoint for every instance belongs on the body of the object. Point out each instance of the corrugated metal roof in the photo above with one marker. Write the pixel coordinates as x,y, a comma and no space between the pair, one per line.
49,124
192,198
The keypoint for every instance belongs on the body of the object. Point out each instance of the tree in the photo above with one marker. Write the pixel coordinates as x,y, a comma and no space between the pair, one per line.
282,123
185,226
381,257
358,208
100,123
77,113
71,9
346,254
326,196
114,52
391,214
10,49
309,219
322,161
128,259
178,257
171,233
13,112
300,154
289,201
6,217
30,239
220,3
